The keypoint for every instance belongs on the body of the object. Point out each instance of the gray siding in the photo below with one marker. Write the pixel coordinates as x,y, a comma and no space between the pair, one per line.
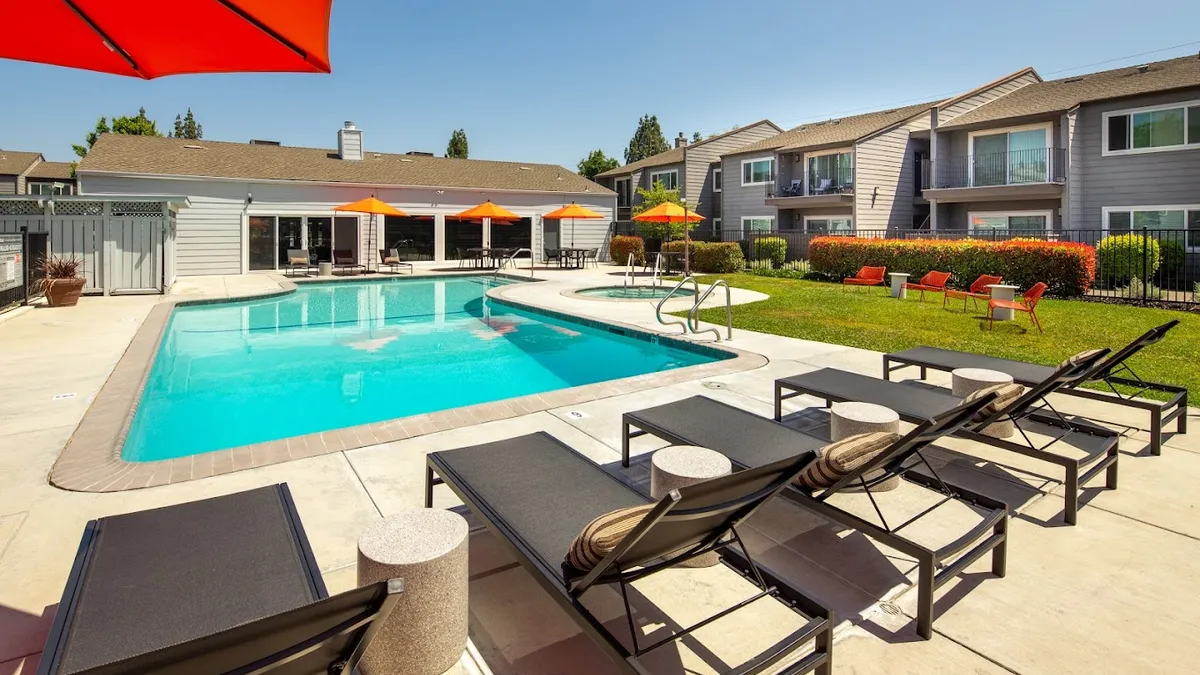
1150,179
698,187
948,113
8,185
738,202
954,216
883,181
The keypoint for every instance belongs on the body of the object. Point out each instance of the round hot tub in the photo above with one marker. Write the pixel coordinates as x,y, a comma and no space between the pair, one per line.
633,292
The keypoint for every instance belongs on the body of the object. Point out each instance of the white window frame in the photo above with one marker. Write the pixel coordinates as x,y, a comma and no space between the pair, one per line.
829,216
745,219
766,158
654,178
70,189
1106,210
718,173
628,193
808,189
1050,168
716,224
1105,152
1047,213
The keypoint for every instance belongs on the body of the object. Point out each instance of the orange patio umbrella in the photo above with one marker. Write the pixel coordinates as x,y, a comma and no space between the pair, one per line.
572,211
488,210
374,207
670,212
170,38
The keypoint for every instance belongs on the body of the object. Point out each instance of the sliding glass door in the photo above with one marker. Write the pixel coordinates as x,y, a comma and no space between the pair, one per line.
261,242
290,238
1010,157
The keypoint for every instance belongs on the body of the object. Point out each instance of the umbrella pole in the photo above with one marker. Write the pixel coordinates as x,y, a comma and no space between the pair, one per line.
687,244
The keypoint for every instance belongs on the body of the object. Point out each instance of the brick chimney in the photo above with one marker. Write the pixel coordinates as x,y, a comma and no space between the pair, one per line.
350,144
681,141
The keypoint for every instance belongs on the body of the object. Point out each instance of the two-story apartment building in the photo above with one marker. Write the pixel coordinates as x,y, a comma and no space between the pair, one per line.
29,173
692,168
1102,151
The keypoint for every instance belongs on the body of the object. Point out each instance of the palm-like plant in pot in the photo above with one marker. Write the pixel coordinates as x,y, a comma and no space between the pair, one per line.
62,280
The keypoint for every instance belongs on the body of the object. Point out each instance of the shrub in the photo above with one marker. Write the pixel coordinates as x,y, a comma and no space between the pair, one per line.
1068,268
771,248
719,258
1138,289
621,246
1171,258
796,269
1124,257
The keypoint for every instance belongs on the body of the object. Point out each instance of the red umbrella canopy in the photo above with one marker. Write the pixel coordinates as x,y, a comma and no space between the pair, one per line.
150,40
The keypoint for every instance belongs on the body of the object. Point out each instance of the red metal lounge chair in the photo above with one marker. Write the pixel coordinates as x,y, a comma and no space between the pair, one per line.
934,282
867,276
1027,304
978,291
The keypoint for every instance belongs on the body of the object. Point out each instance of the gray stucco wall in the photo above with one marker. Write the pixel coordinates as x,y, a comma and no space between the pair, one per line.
1150,179
883,181
738,202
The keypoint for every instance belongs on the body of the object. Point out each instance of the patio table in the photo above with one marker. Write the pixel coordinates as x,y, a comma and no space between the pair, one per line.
480,254
1003,292
573,256
898,281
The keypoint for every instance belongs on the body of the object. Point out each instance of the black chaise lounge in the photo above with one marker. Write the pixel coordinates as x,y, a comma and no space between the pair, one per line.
223,585
344,261
749,441
536,494
1111,372
1089,444
298,259
391,259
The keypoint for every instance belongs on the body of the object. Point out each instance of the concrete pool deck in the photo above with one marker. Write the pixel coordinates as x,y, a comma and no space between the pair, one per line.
1115,593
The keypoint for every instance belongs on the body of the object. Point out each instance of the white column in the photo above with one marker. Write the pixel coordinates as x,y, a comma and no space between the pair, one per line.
487,232
439,238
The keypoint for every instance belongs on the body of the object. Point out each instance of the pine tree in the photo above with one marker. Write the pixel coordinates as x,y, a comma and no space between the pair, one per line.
647,141
186,127
458,144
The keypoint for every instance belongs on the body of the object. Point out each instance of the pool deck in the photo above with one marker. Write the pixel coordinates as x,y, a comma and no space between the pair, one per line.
1115,593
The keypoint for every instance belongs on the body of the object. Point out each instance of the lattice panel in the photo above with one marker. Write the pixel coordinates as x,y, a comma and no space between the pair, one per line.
78,209
137,209
20,208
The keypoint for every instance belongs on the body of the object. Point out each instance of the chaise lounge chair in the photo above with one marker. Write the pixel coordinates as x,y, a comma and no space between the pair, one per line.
298,259
749,440
1075,442
344,260
536,495
391,259
867,276
1112,372
223,585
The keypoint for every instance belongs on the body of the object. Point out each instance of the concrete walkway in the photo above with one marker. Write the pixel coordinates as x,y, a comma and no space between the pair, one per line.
1114,594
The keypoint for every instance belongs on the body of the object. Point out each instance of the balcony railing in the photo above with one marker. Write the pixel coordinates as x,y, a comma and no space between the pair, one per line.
835,182
1019,167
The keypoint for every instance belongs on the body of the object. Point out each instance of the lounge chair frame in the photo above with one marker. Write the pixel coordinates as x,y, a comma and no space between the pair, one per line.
307,267
393,266
990,535
1112,372
568,592
1033,407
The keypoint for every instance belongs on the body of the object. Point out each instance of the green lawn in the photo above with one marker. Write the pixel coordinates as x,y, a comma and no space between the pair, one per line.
826,312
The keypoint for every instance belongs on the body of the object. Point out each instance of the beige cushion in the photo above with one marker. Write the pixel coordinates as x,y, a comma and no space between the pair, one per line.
1006,394
297,260
837,460
391,260
1078,358
602,535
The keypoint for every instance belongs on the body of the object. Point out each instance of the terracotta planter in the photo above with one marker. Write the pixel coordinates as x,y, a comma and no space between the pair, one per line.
64,292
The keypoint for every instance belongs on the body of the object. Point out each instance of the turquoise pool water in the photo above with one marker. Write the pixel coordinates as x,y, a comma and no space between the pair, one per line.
634,292
345,353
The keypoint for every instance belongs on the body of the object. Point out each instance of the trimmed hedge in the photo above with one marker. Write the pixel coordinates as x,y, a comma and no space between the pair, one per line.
620,246
719,257
771,248
1068,268
1124,257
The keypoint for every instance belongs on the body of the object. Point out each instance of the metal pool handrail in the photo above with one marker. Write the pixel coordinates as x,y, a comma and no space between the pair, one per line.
512,259
630,277
693,316
658,307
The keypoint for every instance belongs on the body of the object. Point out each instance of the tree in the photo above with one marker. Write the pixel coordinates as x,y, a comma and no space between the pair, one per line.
596,162
647,141
92,137
696,137
186,127
656,195
458,144
136,126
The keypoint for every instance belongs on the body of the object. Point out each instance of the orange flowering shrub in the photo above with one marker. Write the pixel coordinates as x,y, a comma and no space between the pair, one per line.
1067,267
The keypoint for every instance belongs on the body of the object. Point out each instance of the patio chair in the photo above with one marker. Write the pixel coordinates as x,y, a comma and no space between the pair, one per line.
297,259
1027,304
343,260
553,254
867,276
592,255
977,291
1112,372
538,497
934,282
825,186
796,188
749,441
1074,443
391,258
222,585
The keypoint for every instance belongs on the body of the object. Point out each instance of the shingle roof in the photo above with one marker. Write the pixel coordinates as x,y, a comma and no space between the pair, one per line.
1056,96
832,132
13,163
116,153
53,170
675,155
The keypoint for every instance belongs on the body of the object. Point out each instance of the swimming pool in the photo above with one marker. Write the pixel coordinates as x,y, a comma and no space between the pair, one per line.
634,292
340,354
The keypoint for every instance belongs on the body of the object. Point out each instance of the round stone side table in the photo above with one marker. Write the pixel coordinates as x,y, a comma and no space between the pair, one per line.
679,466
427,632
852,418
966,381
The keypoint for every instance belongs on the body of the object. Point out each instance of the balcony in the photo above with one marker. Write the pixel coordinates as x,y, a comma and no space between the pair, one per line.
1038,173
823,188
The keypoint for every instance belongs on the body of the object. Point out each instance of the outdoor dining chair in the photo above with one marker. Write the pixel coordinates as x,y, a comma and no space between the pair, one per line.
934,282
1028,304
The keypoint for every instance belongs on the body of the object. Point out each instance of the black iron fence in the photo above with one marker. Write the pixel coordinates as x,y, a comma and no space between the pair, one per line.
20,267
1019,167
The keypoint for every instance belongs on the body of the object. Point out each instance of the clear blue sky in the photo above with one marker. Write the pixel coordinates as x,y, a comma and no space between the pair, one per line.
541,81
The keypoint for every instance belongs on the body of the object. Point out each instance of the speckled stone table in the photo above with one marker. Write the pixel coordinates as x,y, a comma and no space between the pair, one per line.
852,418
679,466
967,381
427,632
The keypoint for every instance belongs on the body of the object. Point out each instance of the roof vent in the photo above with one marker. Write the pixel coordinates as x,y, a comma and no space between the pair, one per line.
418,153
259,141
1074,79
524,168
406,160
1144,68
194,147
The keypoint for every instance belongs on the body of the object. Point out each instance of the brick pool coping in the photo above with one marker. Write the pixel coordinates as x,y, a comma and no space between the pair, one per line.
92,462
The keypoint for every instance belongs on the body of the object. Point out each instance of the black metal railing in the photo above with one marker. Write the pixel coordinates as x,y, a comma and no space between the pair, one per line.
835,182
1019,167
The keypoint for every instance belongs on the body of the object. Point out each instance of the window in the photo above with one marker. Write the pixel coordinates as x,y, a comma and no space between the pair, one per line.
1152,129
831,173
1010,157
716,224
41,188
758,223
1012,222
758,171
669,179
829,224
621,186
1163,221
716,180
